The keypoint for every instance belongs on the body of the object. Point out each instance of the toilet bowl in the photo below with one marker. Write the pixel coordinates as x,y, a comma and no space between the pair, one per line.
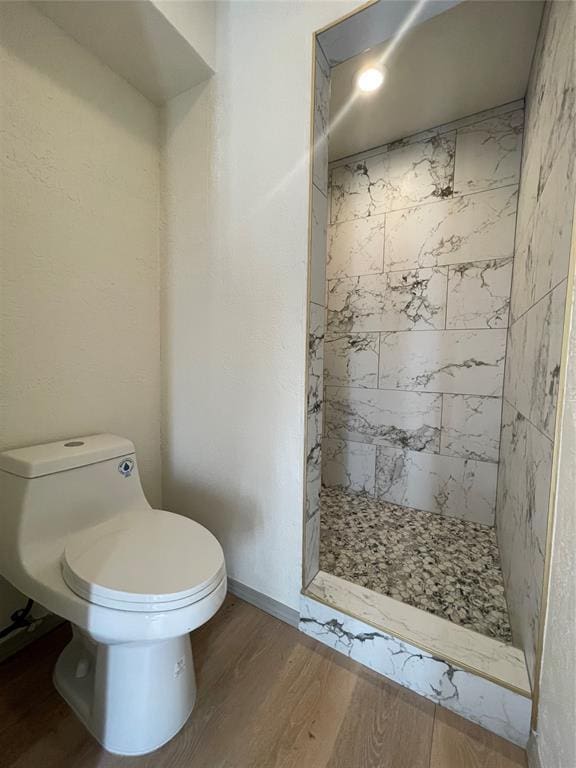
78,536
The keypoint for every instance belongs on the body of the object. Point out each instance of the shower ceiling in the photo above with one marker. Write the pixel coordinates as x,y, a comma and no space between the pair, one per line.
472,57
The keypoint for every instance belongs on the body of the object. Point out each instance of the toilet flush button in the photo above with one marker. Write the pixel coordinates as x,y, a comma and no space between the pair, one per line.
126,467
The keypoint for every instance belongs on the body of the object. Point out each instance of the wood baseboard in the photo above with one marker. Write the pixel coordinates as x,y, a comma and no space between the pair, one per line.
264,602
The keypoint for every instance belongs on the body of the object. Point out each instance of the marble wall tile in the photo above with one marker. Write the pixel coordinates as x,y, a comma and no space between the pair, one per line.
404,419
448,485
315,406
397,178
321,119
488,153
311,548
471,427
313,463
320,165
313,467
317,316
479,294
468,228
348,465
460,362
533,365
521,522
316,343
479,700
545,220
352,359
551,95
319,222
356,247
544,233
395,301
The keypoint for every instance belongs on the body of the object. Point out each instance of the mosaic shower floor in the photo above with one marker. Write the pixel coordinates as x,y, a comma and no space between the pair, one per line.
445,566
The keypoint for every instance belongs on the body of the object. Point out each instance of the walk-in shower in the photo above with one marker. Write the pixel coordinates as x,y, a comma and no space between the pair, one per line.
441,218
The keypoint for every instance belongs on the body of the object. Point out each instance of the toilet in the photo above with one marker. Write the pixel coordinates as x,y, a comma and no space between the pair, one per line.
78,536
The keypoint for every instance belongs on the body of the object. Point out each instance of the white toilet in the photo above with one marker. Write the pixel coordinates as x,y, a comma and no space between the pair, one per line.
78,536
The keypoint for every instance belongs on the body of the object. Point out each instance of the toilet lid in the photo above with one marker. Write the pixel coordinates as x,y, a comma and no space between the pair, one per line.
145,560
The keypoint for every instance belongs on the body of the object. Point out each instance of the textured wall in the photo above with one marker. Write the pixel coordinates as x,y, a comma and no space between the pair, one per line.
542,248
235,402
79,348
421,241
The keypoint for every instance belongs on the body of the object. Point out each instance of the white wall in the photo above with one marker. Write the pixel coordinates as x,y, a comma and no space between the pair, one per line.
79,345
235,294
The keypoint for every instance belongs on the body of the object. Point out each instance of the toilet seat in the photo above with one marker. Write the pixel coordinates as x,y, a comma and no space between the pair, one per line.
143,560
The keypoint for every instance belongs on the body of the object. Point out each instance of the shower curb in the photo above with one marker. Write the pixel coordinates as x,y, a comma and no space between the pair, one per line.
497,705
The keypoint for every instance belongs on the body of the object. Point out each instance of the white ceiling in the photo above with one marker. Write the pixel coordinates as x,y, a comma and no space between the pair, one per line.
135,39
374,24
472,57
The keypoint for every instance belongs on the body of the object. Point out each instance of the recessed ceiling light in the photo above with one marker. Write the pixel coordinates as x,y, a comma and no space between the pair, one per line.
370,79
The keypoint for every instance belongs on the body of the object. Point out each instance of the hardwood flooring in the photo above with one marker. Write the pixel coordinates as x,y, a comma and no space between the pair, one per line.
268,697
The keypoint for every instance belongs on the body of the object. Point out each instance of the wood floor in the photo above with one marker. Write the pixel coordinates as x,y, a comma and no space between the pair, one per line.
268,697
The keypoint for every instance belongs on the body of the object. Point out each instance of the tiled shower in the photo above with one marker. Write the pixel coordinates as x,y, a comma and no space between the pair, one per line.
419,269
438,281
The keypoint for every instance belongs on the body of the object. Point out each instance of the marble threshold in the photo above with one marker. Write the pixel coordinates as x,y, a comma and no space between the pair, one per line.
478,654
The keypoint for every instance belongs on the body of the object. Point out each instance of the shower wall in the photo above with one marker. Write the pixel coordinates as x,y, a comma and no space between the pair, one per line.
545,213
421,242
316,314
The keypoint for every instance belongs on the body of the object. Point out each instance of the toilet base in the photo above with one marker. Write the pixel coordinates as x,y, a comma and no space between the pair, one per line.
132,697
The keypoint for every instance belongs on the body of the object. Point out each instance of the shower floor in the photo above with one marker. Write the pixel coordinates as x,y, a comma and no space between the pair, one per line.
448,567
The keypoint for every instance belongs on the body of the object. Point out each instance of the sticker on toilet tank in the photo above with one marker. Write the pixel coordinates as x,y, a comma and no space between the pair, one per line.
126,467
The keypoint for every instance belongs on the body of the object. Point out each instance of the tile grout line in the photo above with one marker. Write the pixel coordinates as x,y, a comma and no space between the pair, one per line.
421,268
447,297
415,391
446,309
379,333
425,203
509,324
441,423
379,352
528,419
531,307
418,330
384,227
324,194
396,447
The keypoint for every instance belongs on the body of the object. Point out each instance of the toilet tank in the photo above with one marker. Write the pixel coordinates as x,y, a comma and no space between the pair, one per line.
49,491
